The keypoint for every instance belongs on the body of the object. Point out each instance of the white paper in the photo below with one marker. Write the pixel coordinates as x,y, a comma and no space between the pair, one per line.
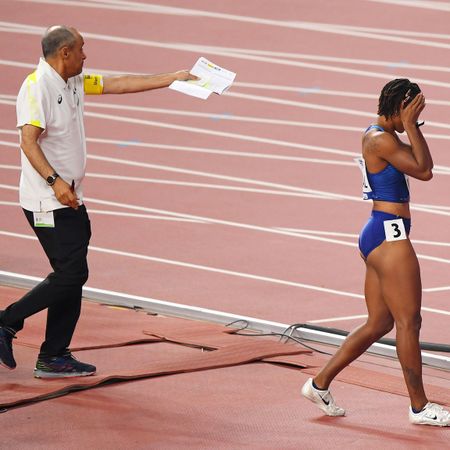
212,79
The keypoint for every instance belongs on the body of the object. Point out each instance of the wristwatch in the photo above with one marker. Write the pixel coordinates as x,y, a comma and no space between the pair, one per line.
51,179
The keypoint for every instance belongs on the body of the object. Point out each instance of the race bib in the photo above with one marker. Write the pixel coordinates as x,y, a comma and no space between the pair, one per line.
365,184
394,230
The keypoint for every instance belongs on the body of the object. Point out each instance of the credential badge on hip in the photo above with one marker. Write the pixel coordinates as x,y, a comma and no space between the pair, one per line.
44,219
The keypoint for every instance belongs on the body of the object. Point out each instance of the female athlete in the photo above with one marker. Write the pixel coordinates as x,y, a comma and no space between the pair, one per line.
393,287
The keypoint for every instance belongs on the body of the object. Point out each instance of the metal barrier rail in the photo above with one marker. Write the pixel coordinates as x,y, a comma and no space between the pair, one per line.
196,313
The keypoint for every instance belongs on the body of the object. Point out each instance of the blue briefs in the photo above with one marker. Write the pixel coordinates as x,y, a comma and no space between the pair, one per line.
373,234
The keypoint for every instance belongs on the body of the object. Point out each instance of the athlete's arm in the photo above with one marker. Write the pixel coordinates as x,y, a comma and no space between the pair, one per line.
124,84
415,159
30,146
419,147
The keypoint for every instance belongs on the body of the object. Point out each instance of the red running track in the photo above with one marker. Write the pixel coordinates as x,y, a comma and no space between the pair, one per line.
274,154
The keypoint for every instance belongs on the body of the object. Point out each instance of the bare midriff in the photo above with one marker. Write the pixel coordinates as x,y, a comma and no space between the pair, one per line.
398,209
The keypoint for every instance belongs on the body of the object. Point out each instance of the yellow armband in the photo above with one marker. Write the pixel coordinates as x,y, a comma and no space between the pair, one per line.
93,84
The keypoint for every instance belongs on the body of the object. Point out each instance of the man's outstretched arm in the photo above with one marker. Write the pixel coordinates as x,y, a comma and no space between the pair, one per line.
125,84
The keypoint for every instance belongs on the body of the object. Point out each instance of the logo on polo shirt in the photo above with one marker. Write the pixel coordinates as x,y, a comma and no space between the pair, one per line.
59,99
76,96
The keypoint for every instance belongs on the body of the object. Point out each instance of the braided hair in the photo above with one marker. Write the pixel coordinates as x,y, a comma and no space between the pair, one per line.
393,94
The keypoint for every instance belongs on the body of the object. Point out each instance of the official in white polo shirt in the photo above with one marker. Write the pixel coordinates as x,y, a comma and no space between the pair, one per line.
53,152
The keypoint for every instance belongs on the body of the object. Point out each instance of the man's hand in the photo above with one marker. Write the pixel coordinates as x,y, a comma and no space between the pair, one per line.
409,114
185,75
65,193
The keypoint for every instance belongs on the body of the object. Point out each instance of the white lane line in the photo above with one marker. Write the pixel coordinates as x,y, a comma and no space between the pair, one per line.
355,236
337,319
23,29
122,214
434,310
316,91
321,233
190,184
324,239
211,151
237,224
436,243
438,289
9,166
345,30
444,208
202,185
433,258
442,170
436,209
11,100
257,138
325,194
433,209
336,59
218,270
223,116
204,268
131,143
354,244
307,234
180,219
244,137
280,101
439,6
261,86
250,138
364,316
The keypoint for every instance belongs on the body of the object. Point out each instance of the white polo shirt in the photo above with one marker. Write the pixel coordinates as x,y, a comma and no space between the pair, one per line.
46,101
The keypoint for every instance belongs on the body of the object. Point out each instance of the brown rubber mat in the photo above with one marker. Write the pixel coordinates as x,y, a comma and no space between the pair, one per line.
129,363
107,329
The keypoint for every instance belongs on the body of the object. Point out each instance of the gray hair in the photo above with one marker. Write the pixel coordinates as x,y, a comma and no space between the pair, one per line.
56,37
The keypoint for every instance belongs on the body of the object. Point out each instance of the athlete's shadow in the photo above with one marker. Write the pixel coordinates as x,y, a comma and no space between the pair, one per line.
343,423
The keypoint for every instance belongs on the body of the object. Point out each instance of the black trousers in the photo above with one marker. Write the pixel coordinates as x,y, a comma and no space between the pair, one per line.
66,247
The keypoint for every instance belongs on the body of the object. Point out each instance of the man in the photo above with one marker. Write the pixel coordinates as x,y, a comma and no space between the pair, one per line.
50,120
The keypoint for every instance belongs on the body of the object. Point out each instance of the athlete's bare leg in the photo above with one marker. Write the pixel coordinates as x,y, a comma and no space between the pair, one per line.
399,273
379,322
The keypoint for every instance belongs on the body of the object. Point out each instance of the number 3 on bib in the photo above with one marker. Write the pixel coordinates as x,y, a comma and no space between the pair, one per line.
394,230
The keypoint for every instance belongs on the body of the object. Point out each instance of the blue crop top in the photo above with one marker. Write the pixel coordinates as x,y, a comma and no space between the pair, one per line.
389,184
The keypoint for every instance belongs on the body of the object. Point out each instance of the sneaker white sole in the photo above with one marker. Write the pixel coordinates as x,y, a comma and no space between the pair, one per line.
432,415
431,423
330,409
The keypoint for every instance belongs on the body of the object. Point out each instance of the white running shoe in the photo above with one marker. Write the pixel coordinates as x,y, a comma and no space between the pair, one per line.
323,399
431,414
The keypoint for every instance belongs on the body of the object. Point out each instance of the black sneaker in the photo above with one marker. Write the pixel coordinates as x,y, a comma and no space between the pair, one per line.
63,366
6,353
